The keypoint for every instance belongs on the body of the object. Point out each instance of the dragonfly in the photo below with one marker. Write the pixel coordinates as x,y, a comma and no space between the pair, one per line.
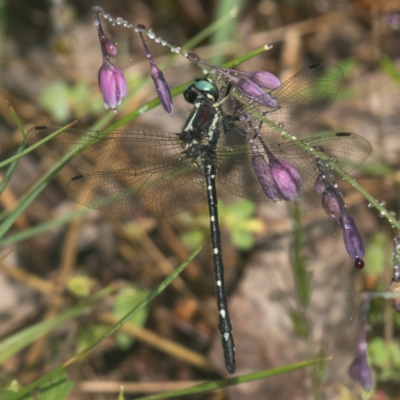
155,173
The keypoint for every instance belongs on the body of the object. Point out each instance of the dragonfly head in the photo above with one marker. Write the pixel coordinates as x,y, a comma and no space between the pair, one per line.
201,89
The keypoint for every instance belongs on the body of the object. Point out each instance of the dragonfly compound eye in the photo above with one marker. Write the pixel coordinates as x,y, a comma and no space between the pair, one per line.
207,89
201,88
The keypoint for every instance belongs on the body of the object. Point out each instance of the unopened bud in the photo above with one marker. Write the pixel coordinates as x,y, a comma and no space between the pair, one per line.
163,91
112,84
264,175
333,203
108,48
360,370
278,179
287,179
352,238
254,92
263,79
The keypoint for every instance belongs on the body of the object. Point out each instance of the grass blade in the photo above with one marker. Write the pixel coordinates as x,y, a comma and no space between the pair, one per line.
34,146
214,385
20,340
137,308
11,169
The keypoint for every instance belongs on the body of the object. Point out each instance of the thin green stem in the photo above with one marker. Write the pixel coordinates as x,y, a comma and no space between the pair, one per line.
11,169
137,308
16,118
44,227
36,145
214,385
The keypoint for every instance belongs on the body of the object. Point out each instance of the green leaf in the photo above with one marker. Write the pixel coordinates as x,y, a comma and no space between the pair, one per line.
56,388
241,209
127,298
80,285
378,352
390,68
243,240
13,389
192,239
55,100
394,351
124,341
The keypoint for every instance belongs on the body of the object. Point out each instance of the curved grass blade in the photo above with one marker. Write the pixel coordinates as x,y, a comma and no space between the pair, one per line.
21,147
138,307
11,169
44,227
214,385
21,339
34,146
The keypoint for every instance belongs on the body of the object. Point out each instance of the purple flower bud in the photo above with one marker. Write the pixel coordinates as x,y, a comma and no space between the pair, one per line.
263,79
264,175
108,48
352,238
393,19
279,180
163,92
333,204
320,186
360,370
112,84
394,289
254,92
287,179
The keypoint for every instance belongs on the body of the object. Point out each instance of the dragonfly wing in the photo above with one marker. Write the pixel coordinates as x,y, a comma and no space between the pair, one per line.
300,99
108,150
141,192
237,174
345,150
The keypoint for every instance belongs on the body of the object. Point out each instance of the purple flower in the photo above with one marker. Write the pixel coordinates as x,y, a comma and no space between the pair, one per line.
393,19
359,369
264,175
254,92
112,84
108,48
332,202
319,186
279,180
163,92
287,179
352,238
263,79
249,86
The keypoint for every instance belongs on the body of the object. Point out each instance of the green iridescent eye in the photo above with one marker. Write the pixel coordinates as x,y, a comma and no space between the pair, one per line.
207,88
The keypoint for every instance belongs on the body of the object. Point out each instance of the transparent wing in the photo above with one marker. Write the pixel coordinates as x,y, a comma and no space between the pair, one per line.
346,150
300,99
142,192
108,150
